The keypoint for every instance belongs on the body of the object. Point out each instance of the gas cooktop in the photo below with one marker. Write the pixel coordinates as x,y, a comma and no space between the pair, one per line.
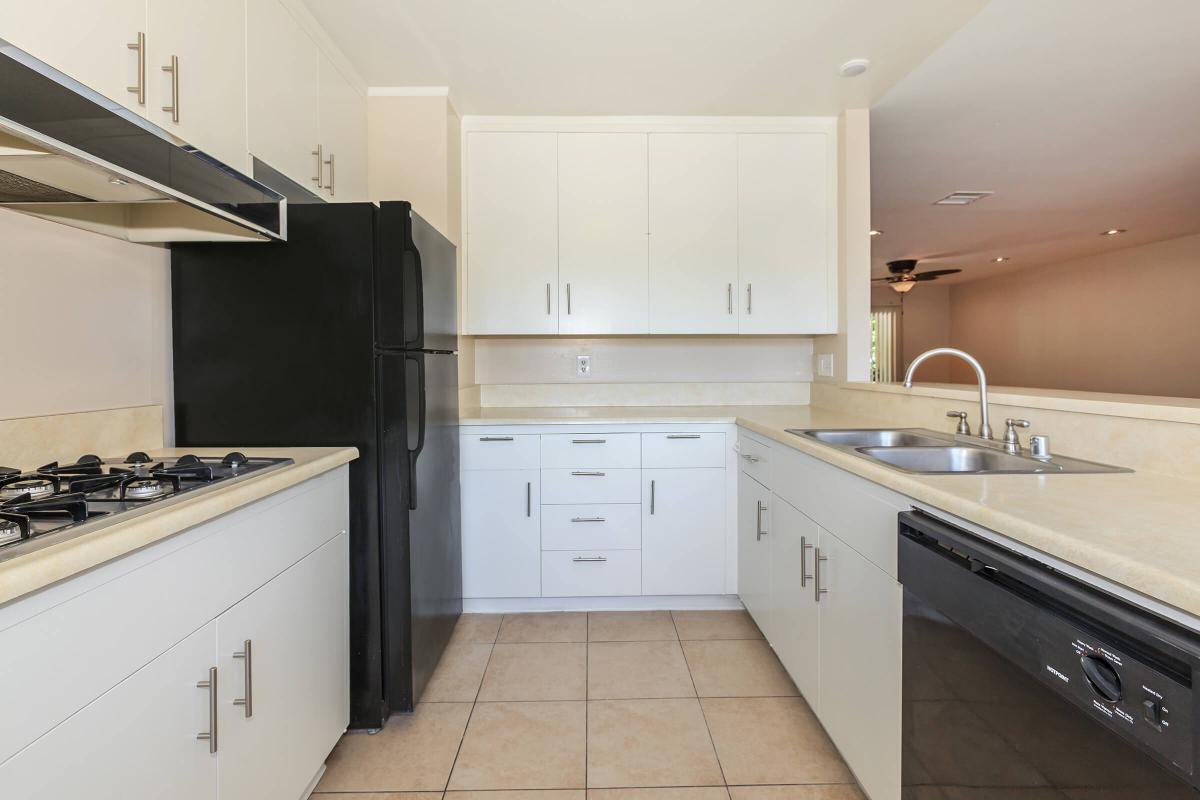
60,497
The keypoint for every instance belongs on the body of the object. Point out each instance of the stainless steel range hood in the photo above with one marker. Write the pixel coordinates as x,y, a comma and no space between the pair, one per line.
73,156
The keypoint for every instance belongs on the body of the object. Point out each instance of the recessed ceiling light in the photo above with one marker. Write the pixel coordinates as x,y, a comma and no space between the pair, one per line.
115,181
876,233
961,198
1113,232
1001,259
854,67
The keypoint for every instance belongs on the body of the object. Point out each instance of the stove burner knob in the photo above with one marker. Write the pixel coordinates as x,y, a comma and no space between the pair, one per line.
235,459
137,457
88,459
184,460
1101,676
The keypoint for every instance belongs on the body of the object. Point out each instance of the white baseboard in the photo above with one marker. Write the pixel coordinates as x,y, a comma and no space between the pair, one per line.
502,605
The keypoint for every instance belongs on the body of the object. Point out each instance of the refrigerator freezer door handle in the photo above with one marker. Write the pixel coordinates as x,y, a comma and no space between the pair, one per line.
419,341
419,360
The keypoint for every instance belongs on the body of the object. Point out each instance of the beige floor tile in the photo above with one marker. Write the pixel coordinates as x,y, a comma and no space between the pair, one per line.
644,743
661,793
771,740
523,746
625,670
540,671
413,752
630,626
737,668
377,795
477,628
715,625
519,794
567,626
458,674
827,791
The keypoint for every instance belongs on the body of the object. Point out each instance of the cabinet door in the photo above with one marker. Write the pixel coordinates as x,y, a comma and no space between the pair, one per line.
602,247
794,610
344,135
209,51
683,531
138,740
784,242
754,549
501,533
282,91
292,695
512,233
88,41
860,639
693,233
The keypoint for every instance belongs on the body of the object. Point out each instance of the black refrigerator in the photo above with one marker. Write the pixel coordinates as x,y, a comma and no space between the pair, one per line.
345,334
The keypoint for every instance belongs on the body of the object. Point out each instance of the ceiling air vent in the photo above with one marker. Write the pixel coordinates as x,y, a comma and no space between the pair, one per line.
961,198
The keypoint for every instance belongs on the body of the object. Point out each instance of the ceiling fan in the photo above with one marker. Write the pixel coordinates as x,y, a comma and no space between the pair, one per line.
903,278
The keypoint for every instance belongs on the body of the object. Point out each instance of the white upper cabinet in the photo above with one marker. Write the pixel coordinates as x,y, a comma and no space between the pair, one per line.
602,219
512,233
284,128
693,232
88,41
785,241
343,110
196,75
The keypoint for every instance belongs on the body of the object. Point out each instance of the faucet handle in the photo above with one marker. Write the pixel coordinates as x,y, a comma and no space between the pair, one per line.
1012,442
964,428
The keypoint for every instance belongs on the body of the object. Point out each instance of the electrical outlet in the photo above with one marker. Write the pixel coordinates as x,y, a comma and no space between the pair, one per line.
583,366
825,365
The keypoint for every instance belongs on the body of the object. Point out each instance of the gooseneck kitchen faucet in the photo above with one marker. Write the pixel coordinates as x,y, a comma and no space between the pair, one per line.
985,428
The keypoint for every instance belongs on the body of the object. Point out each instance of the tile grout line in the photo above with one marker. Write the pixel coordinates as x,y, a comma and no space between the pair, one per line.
587,694
712,742
475,702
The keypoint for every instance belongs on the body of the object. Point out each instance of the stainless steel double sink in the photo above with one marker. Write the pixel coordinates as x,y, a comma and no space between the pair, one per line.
925,452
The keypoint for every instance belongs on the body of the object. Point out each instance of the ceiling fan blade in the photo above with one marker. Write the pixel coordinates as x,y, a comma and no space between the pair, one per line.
888,278
934,274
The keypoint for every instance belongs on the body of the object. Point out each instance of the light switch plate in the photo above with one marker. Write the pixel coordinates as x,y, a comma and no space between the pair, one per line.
583,366
825,365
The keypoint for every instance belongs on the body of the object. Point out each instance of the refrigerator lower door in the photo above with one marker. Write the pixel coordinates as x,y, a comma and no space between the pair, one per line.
421,534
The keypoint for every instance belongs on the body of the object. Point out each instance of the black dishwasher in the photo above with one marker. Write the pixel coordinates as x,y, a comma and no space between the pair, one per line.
1020,681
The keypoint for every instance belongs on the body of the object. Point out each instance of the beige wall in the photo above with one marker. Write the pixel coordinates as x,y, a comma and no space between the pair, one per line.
87,321
1123,321
924,324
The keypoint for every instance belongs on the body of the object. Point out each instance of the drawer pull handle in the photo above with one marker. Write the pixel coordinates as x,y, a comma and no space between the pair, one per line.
683,436
529,498
750,458
591,559
495,438
651,497
587,519
588,441
588,474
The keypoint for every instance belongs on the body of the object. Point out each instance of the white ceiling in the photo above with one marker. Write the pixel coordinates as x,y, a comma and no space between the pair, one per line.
1081,115
647,57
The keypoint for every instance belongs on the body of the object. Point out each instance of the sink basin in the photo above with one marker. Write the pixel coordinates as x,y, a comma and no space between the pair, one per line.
956,460
871,437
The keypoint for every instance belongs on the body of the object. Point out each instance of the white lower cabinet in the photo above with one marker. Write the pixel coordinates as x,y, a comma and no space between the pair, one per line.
859,650
501,533
136,741
683,531
273,714
591,573
795,615
754,549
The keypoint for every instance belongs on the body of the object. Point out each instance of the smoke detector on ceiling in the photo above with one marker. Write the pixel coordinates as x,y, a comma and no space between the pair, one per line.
962,198
854,67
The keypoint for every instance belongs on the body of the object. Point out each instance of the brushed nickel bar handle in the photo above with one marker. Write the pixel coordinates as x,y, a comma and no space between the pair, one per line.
804,548
248,672
593,559
818,591
320,176
587,519
651,497
749,298
495,438
547,298
568,299
329,163
729,298
589,441
683,436
750,458
758,530
529,498
588,473
211,734
173,68
140,89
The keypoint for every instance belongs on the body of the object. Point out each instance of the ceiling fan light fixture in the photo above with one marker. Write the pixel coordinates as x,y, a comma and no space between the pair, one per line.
903,286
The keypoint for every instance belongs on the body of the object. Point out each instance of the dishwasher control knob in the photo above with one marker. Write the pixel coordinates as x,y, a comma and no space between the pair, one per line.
1101,676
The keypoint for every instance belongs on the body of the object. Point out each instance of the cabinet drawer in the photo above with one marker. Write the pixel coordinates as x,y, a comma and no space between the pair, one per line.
607,527
671,450
582,486
499,451
590,450
754,458
591,573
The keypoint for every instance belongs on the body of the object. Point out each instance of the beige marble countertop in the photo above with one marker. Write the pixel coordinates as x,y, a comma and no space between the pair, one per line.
39,568
1140,530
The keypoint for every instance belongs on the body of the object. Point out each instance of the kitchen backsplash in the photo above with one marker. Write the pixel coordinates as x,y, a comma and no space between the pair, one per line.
29,442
